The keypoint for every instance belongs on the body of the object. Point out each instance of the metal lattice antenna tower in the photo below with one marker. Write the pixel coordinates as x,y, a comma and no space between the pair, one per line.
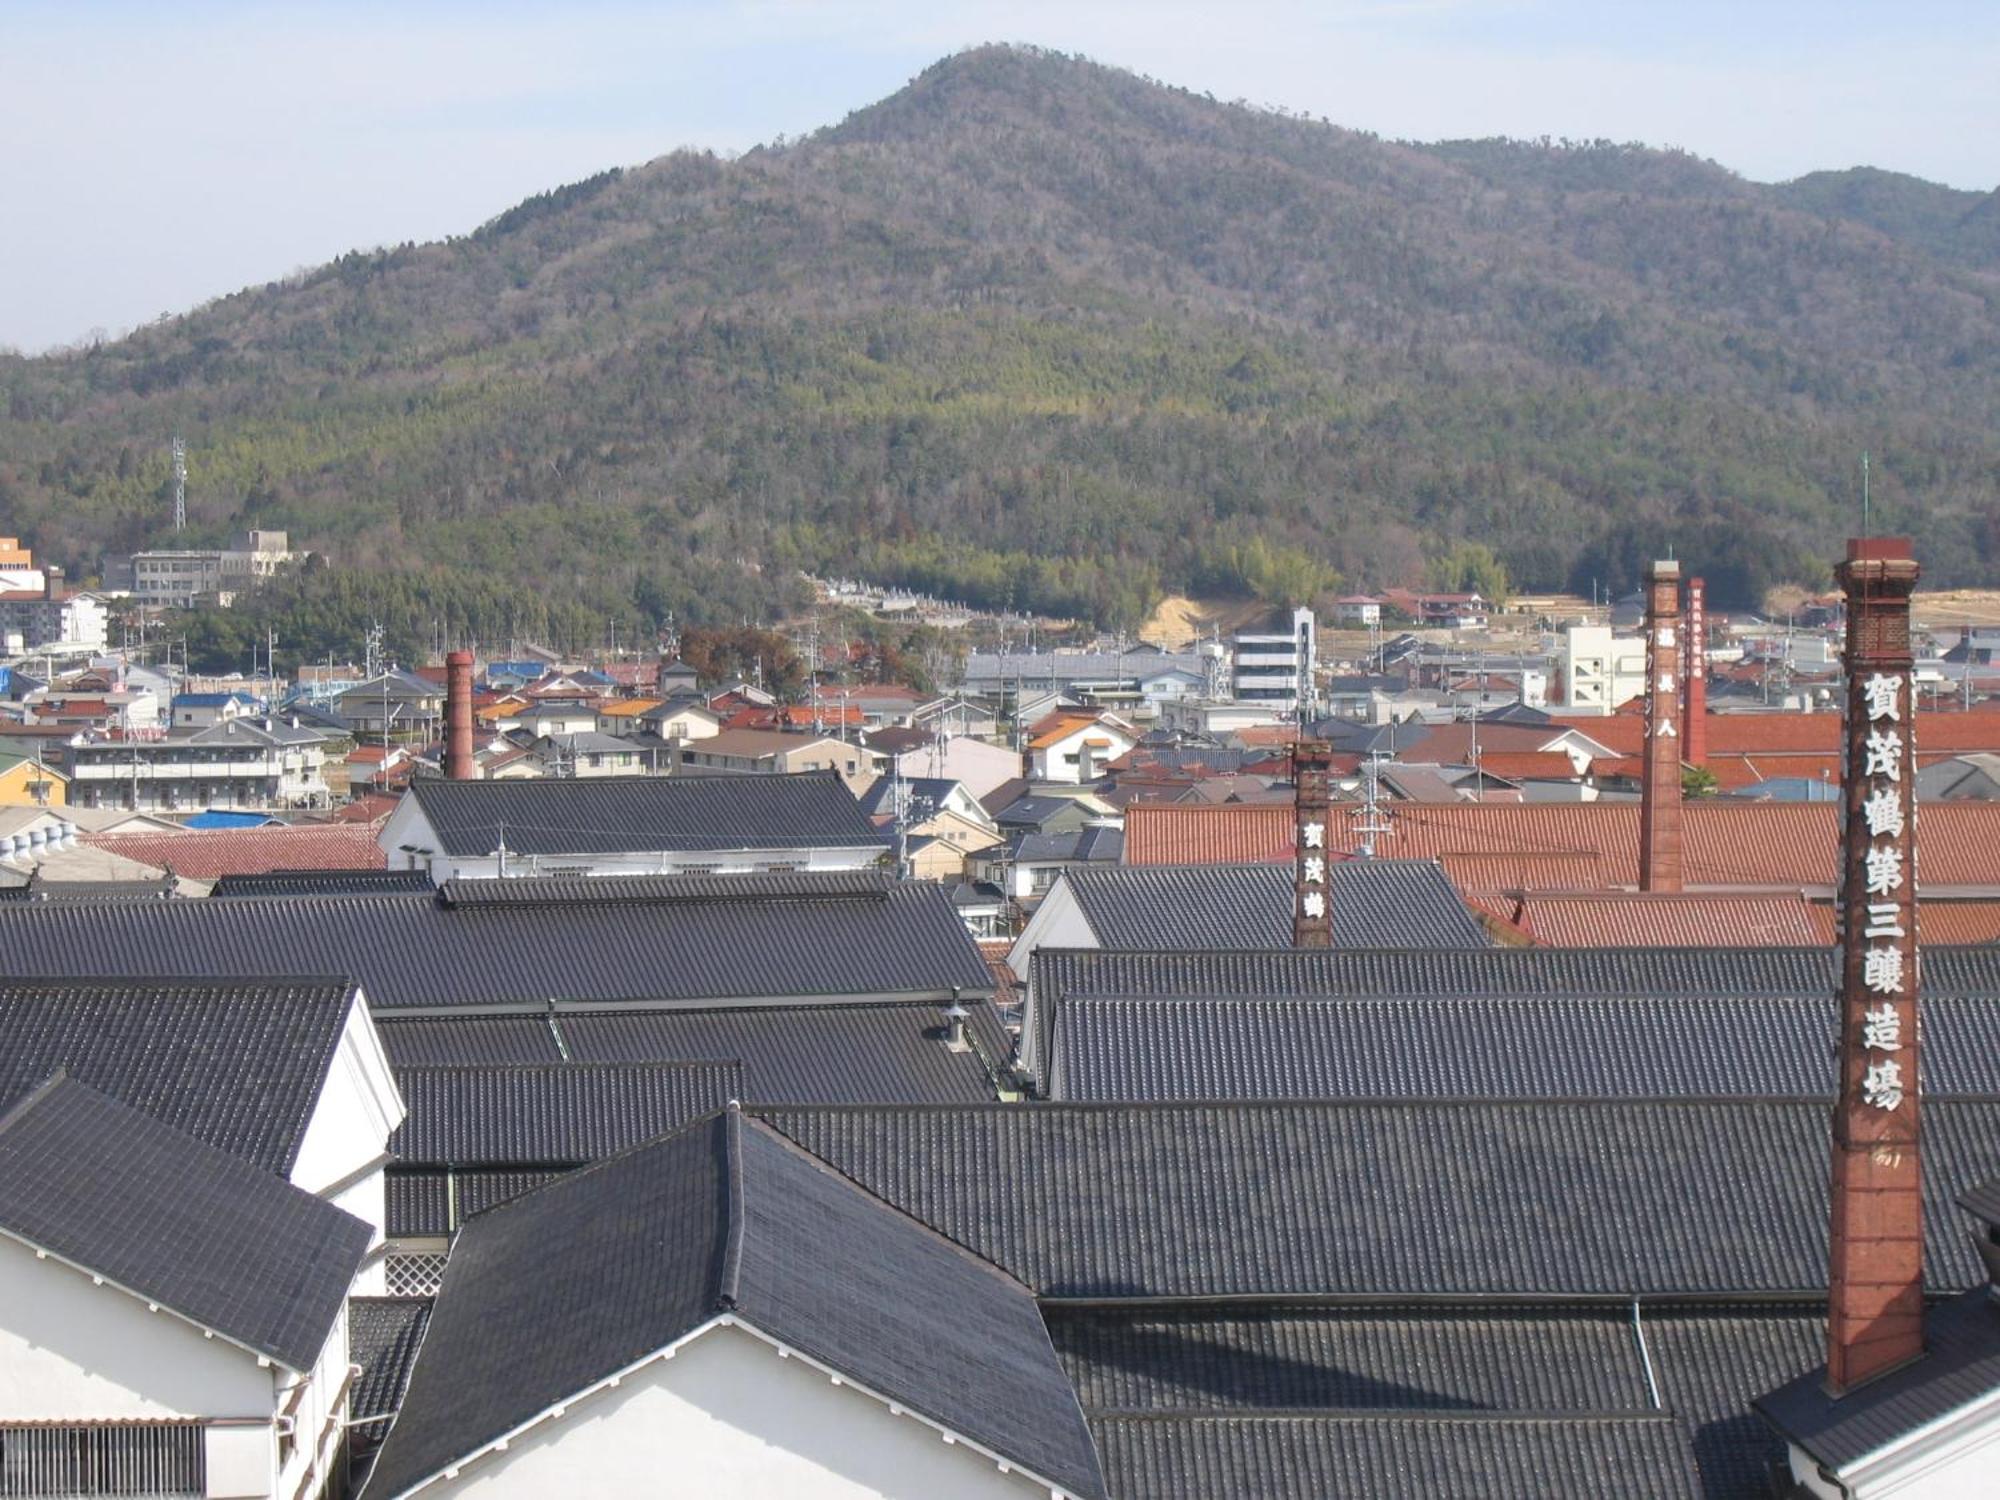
180,485
1373,826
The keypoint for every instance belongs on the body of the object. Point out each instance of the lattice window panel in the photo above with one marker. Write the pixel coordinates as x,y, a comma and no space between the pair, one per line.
414,1275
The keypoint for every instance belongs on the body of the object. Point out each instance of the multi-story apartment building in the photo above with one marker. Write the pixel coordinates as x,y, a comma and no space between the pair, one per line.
1275,666
179,576
241,763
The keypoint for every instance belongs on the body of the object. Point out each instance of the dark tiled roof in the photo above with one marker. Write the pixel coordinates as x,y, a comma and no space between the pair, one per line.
1961,1364
383,1334
1380,903
426,1202
1112,1050
639,814
551,1293
1390,1199
1500,973
125,1197
1417,1359
803,1054
659,890
558,1113
322,883
237,1065
1105,844
413,950
1366,1457
1706,1363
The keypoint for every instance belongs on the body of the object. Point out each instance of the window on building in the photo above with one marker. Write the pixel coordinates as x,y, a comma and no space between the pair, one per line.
157,1460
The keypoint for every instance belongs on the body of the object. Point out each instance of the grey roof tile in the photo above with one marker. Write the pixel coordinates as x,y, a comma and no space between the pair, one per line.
1960,1365
383,1335
414,951
106,1188
556,1290
1223,1358
1369,1457
1494,973
1378,903
1136,1050
1530,1198
559,1113
805,1054
238,1065
322,883
641,814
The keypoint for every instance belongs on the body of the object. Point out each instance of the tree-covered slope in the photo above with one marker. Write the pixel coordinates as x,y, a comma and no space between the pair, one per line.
1034,330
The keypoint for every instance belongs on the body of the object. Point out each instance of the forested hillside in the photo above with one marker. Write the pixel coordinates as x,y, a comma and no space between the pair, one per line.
1034,331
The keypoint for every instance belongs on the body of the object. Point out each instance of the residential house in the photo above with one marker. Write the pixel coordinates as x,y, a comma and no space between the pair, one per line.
1075,748
200,710
1601,671
622,715
773,752
680,719
590,754
48,617
629,825
1028,865
1357,610
371,767
395,705
27,781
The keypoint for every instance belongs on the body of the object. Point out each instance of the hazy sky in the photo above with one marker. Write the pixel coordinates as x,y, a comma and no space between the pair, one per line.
154,155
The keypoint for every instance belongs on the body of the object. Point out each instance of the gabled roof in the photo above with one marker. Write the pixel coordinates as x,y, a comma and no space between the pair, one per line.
1357,1456
641,814
1060,976
1677,920
1077,844
1960,1366
585,943
236,1064
1384,903
211,854
1139,1049
1416,1199
323,883
120,1195
383,1336
559,1113
1728,843
891,1054
552,1293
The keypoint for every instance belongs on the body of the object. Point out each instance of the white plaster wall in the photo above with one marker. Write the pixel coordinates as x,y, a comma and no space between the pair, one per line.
727,1419
731,861
70,1349
359,1107
408,825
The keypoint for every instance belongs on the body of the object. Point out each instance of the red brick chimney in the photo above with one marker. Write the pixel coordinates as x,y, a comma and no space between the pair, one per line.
458,761
1876,1300
1660,774
1312,905
1694,654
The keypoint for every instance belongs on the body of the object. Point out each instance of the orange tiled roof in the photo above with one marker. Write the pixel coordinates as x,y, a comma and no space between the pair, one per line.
1939,735
209,854
1727,844
1634,919
628,708
1958,921
1060,726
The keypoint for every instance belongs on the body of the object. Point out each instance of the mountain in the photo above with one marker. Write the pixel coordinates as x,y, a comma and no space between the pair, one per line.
1036,331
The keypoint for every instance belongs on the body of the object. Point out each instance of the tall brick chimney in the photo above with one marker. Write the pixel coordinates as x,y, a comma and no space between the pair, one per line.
1660,860
1876,1299
1694,655
1312,906
458,761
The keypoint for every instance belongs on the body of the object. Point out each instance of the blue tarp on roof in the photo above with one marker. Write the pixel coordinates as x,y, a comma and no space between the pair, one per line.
216,818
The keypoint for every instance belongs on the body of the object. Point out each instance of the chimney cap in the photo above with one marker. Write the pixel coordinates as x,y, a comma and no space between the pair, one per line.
1868,548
